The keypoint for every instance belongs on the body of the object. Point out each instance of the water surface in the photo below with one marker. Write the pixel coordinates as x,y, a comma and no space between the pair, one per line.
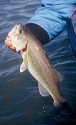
20,101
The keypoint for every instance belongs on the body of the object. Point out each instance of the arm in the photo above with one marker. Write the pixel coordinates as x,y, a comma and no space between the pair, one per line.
48,20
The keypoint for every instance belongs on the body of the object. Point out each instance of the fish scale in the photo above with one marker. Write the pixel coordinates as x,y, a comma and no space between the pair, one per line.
42,68
39,65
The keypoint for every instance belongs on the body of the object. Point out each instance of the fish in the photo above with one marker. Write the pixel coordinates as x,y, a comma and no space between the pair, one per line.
37,62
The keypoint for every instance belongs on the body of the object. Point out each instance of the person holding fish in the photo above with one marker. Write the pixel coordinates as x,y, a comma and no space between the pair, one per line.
49,20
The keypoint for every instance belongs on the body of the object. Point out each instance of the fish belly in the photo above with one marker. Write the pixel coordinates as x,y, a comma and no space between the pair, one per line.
41,69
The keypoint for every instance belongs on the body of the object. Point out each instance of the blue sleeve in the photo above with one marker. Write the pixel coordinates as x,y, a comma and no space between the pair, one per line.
50,15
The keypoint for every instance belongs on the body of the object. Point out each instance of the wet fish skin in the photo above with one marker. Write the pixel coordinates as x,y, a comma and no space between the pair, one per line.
37,62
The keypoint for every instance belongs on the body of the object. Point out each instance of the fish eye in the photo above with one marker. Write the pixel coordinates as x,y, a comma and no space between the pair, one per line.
21,31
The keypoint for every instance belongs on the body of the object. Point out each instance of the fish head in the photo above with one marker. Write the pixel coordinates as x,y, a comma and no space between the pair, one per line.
17,37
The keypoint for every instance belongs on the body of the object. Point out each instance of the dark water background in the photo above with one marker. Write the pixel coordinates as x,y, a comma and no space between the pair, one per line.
20,101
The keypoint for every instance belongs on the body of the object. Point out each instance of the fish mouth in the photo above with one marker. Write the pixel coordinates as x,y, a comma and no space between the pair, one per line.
12,40
8,42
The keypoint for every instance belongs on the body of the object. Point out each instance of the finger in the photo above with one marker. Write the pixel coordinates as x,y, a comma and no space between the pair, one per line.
13,48
8,42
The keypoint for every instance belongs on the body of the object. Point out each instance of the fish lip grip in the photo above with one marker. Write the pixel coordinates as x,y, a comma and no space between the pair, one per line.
71,32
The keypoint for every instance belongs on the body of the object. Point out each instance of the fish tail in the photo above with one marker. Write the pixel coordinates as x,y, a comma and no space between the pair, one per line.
67,107
59,108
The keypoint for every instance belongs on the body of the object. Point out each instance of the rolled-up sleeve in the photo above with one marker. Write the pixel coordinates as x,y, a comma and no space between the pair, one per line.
50,16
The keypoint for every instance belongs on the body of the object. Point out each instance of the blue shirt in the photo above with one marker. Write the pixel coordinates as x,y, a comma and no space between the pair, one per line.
50,16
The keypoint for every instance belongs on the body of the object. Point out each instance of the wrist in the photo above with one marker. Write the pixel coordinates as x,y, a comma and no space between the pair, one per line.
38,32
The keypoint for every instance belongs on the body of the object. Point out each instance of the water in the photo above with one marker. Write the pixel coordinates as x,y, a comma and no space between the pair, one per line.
20,101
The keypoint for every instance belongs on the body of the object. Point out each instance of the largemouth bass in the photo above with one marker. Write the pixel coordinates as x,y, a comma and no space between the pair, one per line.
38,64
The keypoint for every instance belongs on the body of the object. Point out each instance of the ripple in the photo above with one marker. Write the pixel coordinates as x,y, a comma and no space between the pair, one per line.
20,101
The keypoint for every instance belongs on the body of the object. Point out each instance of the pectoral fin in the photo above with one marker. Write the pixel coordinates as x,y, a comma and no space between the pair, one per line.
42,90
22,67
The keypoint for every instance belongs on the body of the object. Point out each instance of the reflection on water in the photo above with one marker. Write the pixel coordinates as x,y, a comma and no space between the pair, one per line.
20,101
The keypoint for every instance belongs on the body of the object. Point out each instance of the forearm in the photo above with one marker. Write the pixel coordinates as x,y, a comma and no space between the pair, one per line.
50,17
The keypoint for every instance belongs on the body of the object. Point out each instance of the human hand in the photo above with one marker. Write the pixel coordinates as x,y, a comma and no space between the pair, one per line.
8,42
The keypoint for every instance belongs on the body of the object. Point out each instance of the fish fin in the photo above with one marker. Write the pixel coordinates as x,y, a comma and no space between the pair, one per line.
22,67
59,108
67,107
60,76
42,90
